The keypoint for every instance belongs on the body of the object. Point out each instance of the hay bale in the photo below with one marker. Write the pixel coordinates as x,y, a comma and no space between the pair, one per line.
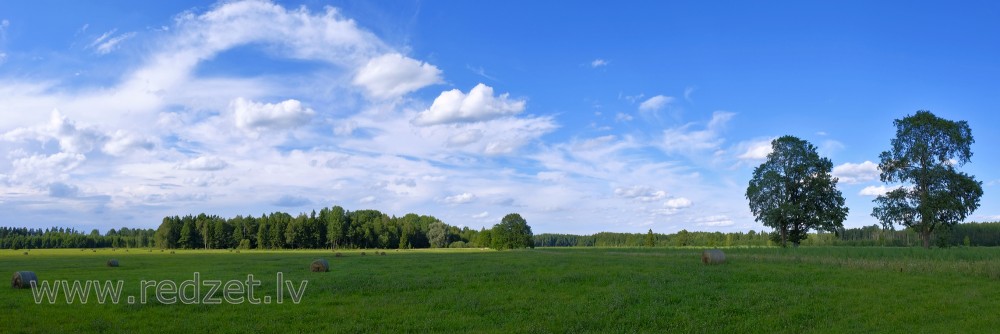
171,252
93,251
338,255
23,279
25,253
362,253
713,256
319,265
112,263
382,253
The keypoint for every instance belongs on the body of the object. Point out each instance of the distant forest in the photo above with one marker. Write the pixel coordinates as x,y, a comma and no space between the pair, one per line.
338,228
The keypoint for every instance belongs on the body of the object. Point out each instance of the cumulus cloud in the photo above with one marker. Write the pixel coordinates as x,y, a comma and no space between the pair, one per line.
683,139
677,203
856,173
71,138
478,105
122,142
598,63
655,103
757,150
875,190
393,75
203,163
640,193
284,115
460,198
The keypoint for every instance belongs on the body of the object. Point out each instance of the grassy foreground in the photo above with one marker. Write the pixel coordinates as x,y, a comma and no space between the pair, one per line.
544,290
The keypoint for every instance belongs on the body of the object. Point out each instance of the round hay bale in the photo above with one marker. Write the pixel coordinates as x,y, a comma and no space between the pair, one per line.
23,279
382,253
362,253
339,255
25,253
171,252
319,265
93,251
112,263
713,256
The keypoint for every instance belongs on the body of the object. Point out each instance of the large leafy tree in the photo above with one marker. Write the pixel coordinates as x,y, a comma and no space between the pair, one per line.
437,234
923,157
512,232
794,192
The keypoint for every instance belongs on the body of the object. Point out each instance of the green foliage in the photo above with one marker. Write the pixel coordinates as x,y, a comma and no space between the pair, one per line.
793,191
924,154
437,234
650,239
512,232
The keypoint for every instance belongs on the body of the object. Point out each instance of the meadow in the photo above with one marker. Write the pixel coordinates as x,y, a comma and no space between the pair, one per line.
841,289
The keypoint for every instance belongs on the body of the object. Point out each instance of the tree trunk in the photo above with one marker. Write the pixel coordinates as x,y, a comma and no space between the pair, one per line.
926,237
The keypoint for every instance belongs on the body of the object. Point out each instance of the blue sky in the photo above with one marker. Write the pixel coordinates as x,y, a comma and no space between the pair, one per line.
583,117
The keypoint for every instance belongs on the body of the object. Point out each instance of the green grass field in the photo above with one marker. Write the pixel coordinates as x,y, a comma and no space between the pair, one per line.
858,290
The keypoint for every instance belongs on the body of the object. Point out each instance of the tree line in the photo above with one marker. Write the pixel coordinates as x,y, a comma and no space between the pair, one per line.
335,228
966,234
59,237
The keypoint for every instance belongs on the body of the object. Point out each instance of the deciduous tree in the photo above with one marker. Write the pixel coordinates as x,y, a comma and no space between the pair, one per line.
793,191
923,156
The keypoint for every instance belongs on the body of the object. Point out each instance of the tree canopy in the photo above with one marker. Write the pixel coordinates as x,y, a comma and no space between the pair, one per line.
923,157
511,233
793,191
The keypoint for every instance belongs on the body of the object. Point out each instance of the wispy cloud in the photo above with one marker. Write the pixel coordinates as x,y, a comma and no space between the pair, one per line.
598,63
108,41
655,103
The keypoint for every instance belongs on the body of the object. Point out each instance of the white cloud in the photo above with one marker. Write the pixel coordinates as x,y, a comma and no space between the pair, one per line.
203,163
70,137
681,139
460,198
677,203
465,137
623,117
123,142
757,150
109,42
714,221
284,115
551,176
598,63
655,103
641,193
688,92
851,173
479,105
367,200
392,75
481,215
875,190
